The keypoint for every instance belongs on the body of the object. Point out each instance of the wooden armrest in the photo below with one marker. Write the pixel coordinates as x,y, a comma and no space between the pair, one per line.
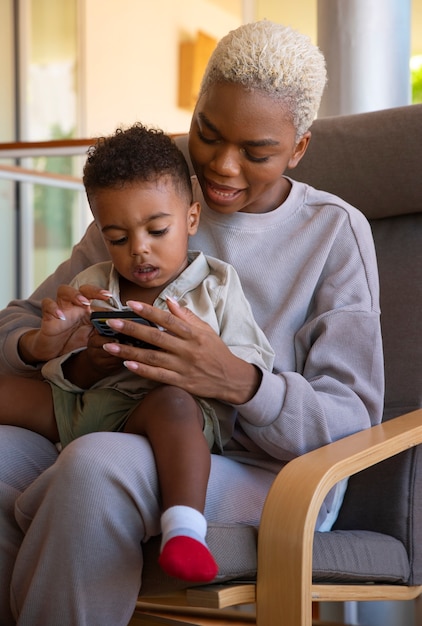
288,521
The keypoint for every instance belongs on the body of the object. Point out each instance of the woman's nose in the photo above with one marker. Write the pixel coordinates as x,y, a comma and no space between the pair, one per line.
225,161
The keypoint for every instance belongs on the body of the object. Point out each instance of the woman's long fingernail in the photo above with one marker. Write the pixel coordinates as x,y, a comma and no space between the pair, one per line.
116,324
131,365
113,348
83,300
134,304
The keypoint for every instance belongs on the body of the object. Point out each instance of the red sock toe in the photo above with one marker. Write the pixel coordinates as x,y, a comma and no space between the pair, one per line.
188,559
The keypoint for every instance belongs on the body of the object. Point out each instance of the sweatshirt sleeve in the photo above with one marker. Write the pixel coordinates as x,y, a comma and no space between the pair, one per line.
339,392
21,316
335,386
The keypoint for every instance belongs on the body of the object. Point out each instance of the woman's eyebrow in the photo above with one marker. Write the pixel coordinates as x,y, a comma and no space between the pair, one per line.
252,143
208,123
261,142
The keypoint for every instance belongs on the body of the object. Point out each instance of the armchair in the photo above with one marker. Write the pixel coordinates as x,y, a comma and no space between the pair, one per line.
374,552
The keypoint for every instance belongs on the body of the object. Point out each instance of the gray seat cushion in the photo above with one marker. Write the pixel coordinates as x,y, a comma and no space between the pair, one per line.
375,539
345,556
339,556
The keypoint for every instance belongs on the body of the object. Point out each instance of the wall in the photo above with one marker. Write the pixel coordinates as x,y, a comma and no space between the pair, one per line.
131,59
302,14
416,41
130,51
7,117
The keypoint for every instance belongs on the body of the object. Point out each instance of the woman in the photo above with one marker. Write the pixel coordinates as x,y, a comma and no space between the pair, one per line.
307,264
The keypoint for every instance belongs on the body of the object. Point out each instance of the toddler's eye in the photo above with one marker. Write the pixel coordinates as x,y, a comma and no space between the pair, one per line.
118,242
159,233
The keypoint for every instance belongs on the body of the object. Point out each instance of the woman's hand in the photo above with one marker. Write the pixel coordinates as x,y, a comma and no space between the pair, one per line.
65,324
190,355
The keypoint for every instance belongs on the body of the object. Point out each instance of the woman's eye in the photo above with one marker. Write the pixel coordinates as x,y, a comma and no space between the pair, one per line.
251,157
248,155
205,139
255,159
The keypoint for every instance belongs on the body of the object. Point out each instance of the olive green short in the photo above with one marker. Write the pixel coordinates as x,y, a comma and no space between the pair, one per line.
99,410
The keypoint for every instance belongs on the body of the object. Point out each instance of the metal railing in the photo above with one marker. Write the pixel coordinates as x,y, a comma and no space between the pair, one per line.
21,150
31,263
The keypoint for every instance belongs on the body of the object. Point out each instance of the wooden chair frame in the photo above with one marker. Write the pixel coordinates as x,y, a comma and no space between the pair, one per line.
284,590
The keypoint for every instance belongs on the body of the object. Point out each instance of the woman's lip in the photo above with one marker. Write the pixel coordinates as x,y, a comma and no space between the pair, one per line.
220,193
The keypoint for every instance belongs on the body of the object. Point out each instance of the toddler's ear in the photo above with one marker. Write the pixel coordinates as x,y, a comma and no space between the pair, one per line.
193,217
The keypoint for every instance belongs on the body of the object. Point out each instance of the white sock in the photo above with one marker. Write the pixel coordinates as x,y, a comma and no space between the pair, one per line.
183,520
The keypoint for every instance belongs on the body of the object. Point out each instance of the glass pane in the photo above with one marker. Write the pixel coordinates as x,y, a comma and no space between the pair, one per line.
50,112
7,127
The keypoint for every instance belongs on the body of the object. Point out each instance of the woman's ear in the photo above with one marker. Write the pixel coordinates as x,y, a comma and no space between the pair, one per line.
194,212
299,150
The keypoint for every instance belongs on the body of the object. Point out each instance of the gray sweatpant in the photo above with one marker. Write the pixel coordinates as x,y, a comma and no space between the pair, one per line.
71,526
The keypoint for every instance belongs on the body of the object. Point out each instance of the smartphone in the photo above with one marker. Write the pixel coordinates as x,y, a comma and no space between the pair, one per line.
99,320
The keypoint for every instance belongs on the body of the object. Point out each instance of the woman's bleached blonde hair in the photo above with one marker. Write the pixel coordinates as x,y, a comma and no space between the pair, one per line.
276,60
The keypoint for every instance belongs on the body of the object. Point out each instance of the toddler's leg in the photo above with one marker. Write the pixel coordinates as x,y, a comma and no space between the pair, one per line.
173,423
28,403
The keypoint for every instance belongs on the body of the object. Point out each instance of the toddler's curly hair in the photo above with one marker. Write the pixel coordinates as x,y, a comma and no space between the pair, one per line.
132,155
276,60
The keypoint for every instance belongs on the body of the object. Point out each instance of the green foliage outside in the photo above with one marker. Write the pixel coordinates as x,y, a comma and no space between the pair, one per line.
416,77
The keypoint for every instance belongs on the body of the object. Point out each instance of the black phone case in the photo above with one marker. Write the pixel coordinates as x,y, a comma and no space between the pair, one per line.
99,321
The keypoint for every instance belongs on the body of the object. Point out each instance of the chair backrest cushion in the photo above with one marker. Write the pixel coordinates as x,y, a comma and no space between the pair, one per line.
374,161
